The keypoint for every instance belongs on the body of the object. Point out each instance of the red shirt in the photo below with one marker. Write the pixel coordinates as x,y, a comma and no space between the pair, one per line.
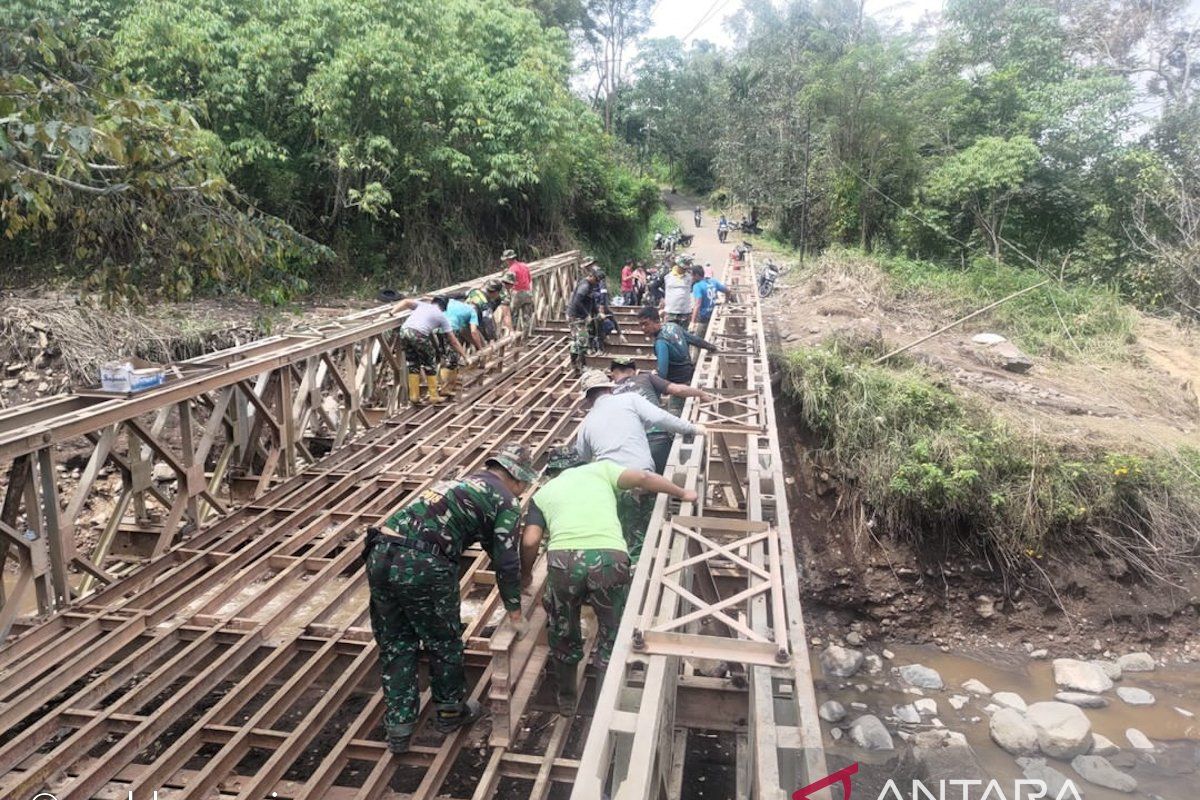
520,271
626,278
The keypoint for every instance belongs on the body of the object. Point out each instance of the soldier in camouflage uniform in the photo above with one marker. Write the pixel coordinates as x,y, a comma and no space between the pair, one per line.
421,337
580,309
586,557
412,572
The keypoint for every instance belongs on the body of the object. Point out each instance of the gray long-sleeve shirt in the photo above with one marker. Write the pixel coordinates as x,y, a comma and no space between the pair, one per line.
615,430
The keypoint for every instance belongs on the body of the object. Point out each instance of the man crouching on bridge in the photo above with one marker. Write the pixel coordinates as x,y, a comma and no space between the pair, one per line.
586,558
412,571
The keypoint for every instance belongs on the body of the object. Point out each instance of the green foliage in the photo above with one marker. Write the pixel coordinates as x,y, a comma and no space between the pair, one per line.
1057,321
1012,128
127,189
415,138
943,473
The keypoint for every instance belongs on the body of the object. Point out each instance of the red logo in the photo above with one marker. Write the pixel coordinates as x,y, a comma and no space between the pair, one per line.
843,775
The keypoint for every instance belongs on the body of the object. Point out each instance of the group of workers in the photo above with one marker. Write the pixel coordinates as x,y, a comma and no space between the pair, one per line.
589,515
438,331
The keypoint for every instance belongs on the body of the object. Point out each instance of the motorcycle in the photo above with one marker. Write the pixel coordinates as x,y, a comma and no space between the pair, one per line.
767,278
722,232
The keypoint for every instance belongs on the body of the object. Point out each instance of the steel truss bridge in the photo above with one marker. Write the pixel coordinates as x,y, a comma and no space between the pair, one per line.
215,641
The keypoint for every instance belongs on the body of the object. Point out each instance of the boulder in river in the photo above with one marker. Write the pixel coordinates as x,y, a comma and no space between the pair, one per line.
1010,700
921,676
1138,740
976,687
1063,730
1036,769
1110,668
1098,770
1080,676
1082,699
1103,746
870,734
832,711
840,662
907,714
1135,696
1014,733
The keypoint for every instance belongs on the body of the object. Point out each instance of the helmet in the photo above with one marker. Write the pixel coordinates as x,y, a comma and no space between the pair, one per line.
563,457
514,457
593,379
493,286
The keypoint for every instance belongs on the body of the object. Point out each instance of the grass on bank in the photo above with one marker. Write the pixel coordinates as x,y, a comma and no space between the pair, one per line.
945,474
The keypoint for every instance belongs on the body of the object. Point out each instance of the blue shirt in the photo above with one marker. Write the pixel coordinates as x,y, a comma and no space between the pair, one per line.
705,291
461,314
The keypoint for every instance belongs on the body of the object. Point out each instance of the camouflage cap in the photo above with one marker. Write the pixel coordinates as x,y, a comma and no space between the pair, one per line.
508,255
622,362
514,457
562,457
593,379
508,277
493,285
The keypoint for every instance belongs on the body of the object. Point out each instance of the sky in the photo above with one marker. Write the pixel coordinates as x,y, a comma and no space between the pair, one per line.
681,17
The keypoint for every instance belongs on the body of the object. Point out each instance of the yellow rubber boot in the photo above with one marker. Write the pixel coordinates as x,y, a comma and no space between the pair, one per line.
431,382
449,382
414,389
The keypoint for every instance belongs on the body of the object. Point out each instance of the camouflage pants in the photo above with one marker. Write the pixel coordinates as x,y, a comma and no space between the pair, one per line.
599,578
522,311
420,352
450,357
634,510
415,599
580,333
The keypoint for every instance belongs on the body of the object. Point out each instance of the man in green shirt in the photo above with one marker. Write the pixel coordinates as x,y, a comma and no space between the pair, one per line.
586,556
412,574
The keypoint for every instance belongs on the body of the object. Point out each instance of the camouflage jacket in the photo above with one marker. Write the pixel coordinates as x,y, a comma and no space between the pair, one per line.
456,514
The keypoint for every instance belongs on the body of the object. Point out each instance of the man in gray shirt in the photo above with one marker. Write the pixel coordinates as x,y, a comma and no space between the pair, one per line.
615,430
677,297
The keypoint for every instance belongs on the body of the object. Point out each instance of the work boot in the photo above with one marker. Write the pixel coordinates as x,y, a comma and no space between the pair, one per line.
451,719
449,382
431,382
414,389
566,692
398,737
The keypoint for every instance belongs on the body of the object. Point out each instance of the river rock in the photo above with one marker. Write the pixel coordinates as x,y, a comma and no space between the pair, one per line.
1010,700
927,707
1110,668
959,701
1063,730
832,711
854,639
907,714
870,734
921,676
840,662
1136,662
1082,699
988,338
976,687
1080,676
1036,769
836,734
1134,696
1184,712
1138,740
1097,770
163,472
873,664
1012,731
1103,746
945,756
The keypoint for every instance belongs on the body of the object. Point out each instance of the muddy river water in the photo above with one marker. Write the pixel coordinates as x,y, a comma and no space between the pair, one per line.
1171,772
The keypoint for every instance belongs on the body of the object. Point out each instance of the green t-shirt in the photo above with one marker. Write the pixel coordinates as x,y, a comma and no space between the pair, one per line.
579,508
